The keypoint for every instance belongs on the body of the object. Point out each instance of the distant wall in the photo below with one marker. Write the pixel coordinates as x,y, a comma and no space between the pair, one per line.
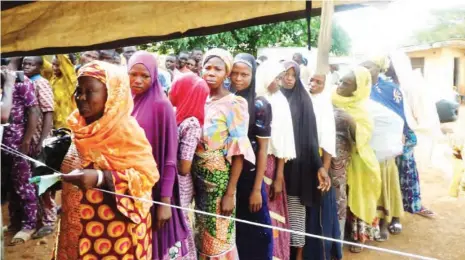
438,67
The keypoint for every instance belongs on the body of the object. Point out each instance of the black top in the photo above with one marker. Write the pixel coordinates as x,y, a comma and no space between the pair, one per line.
301,173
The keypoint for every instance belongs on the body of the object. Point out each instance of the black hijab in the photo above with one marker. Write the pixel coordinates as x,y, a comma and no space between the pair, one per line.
248,93
301,173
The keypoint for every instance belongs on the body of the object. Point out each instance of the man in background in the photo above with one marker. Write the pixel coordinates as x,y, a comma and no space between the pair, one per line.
170,64
182,61
110,56
128,52
86,57
32,66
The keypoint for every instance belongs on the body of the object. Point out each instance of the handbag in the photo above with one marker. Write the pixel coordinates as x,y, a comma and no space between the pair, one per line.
54,150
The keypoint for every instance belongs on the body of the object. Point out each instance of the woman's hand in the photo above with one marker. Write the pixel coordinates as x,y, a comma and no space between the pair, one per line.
25,147
227,205
38,148
324,180
84,179
10,77
163,213
276,189
255,201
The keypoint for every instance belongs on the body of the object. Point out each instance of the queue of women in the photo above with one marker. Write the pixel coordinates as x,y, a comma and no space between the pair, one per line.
268,149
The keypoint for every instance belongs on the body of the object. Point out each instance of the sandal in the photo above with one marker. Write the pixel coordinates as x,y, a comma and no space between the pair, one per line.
395,228
10,229
355,249
43,232
424,212
22,237
382,236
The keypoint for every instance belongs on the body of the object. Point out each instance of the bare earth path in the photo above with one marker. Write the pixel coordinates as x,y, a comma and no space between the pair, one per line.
441,238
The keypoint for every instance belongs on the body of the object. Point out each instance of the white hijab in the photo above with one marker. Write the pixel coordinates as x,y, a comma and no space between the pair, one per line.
282,133
388,127
324,115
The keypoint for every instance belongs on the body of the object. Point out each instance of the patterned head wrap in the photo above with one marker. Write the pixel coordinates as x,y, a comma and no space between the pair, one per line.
94,70
222,54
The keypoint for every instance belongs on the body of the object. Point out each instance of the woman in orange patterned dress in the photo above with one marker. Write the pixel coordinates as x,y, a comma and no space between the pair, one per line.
109,152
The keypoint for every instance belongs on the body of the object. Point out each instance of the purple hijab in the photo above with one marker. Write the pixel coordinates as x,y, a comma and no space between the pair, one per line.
155,115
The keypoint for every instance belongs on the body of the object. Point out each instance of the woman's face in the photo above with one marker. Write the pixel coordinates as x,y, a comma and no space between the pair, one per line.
56,67
183,57
90,96
139,79
214,72
192,65
348,85
241,76
289,78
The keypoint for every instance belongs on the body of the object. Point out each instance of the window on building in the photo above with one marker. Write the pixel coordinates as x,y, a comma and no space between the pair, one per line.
418,63
456,71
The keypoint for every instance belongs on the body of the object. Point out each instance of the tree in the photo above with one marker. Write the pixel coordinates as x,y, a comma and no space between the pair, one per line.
445,24
282,34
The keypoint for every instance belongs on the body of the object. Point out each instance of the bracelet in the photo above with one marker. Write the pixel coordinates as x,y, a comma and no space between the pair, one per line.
99,178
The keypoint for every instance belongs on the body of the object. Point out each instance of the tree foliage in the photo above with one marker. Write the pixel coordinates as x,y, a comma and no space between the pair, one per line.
445,24
282,34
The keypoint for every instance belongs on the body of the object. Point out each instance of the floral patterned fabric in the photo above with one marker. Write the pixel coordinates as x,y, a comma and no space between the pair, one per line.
408,175
44,95
92,229
23,212
337,172
278,213
361,231
224,136
225,128
189,135
112,226
70,229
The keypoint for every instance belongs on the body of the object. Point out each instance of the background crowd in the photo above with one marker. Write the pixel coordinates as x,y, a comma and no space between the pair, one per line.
257,139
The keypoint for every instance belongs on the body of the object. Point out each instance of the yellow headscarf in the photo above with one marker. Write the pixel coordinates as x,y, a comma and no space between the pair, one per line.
363,172
382,61
63,89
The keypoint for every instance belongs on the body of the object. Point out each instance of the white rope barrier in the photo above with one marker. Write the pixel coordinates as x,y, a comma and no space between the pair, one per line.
379,249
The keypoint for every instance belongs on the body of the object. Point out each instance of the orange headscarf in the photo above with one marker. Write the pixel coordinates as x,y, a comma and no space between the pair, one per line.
116,141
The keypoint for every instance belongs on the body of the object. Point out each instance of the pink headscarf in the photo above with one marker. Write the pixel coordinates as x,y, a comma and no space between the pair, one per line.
189,94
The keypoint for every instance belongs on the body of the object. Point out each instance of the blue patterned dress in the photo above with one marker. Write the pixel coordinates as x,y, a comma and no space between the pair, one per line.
408,173
254,243
388,94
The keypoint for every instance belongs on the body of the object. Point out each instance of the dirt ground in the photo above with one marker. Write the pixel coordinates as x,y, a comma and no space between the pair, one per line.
441,238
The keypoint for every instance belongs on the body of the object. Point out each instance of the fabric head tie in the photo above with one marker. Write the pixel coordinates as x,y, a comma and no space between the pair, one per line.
243,61
93,70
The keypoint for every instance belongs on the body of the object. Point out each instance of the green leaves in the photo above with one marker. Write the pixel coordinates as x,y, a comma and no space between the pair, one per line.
282,34
445,24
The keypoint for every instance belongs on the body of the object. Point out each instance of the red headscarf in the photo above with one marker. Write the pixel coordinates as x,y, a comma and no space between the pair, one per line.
188,94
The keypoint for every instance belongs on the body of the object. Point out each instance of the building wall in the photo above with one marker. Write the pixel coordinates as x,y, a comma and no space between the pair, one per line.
439,66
